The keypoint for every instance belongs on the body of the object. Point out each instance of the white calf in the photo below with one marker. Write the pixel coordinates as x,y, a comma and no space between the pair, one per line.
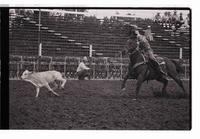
40,79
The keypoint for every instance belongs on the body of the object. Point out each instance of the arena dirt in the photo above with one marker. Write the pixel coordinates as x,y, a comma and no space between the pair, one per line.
97,104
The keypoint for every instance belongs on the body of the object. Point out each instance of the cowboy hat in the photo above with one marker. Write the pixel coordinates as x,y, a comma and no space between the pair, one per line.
85,58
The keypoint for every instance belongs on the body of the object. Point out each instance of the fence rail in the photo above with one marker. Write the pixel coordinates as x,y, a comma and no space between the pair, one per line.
102,68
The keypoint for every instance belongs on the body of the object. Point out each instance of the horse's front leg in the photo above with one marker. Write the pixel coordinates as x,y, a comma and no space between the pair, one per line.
140,80
126,77
124,81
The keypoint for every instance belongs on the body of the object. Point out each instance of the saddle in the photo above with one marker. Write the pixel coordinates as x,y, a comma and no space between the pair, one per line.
160,60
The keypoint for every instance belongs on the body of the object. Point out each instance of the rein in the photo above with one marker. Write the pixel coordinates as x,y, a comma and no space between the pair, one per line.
139,63
132,53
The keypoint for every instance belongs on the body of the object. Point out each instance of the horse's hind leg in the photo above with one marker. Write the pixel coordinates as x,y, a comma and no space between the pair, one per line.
179,82
165,83
140,80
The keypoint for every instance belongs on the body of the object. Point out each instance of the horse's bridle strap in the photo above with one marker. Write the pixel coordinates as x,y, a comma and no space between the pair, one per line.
134,51
138,64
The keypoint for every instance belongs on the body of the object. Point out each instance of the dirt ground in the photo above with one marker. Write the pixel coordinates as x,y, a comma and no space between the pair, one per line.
99,104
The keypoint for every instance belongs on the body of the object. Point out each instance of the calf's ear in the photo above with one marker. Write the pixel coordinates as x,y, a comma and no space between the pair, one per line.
26,70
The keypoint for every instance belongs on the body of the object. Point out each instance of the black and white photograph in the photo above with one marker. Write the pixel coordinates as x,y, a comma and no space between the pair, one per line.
100,68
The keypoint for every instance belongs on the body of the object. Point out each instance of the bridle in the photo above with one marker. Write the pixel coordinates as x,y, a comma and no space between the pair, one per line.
133,52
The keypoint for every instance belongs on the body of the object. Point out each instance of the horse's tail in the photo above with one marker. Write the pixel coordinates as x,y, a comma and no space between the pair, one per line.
179,68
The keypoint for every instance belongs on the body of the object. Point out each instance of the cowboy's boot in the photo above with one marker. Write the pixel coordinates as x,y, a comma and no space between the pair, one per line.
160,69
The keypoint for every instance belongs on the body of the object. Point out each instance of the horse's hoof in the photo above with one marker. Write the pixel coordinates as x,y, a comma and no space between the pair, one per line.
123,89
134,99
57,95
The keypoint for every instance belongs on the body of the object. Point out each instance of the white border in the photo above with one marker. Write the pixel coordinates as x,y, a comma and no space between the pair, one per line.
194,5
100,3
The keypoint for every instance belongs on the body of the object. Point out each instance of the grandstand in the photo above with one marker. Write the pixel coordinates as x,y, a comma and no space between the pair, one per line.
62,36
69,34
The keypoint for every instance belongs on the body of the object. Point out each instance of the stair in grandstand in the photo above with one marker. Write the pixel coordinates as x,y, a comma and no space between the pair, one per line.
62,37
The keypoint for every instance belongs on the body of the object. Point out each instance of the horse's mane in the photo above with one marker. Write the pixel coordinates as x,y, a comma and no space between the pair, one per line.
134,55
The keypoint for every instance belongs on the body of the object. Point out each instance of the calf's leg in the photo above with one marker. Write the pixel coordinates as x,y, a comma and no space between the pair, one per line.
63,83
37,91
49,88
55,85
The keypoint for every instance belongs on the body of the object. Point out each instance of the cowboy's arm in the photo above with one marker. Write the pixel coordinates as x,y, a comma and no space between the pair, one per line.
79,67
85,67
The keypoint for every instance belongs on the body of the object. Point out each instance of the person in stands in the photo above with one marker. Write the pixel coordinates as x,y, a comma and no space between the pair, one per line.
188,19
158,18
174,17
186,23
180,21
83,71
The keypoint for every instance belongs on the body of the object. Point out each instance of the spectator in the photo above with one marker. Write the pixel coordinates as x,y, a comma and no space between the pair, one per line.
188,19
158,18
169,17
174,17
181,18
165,17
180,21
177,21
185,24
83,70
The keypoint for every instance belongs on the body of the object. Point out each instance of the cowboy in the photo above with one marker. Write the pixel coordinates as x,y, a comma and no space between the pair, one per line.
145,47
148,34
131,45
83,70
175,17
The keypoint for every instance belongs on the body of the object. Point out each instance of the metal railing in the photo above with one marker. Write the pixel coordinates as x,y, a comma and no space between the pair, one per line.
102,68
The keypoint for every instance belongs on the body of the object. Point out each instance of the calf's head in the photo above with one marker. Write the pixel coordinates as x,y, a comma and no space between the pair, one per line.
25,74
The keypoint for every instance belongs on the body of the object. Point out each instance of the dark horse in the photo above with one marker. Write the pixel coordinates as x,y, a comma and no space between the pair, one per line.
144,70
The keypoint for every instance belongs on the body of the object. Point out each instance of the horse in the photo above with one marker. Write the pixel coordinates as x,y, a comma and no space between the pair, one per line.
143,70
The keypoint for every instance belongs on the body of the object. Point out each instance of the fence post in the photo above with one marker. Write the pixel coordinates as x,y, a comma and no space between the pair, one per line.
121,65
65,66
90,50
17,70
50,63
181,53
107,68
185,71
94,70
34,66
21,62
